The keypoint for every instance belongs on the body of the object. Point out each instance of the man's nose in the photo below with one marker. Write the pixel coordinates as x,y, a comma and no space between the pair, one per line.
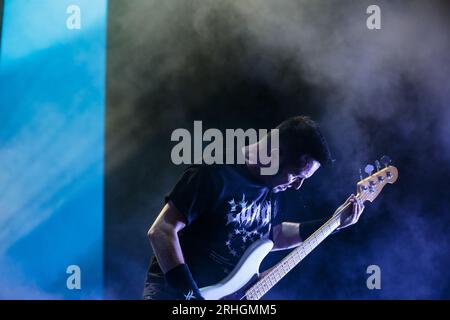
298,184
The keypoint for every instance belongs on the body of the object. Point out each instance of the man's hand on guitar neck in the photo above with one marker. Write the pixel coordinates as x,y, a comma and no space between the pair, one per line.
350,215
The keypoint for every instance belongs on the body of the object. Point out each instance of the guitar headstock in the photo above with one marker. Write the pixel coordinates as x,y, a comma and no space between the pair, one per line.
369,188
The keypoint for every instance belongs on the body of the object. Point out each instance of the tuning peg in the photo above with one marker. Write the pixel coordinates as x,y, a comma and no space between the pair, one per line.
369,169
378,165
385,160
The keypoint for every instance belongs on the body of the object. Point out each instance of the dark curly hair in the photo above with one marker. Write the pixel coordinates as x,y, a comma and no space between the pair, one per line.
301,136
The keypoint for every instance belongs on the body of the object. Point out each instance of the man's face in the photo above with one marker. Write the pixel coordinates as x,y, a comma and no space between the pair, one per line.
292,177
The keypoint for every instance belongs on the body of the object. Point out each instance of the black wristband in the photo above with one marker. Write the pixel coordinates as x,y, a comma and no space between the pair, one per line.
307,228
180,278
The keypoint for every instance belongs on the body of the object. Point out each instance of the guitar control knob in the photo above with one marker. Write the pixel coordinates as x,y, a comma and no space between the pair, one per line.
389,175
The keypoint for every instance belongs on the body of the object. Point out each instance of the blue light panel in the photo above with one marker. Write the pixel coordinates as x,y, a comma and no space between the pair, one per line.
52,88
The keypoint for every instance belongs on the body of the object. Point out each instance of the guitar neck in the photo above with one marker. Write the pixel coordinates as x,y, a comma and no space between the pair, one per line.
262,286
368,189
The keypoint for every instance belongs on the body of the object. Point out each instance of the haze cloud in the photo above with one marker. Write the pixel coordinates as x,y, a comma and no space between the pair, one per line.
374,92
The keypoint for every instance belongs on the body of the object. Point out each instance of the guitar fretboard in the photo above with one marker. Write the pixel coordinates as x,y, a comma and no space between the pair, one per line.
263,285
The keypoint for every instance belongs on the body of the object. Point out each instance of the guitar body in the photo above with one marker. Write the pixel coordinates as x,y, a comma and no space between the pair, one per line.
243,276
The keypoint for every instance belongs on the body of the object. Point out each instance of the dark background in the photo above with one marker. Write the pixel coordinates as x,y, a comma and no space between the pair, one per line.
251,64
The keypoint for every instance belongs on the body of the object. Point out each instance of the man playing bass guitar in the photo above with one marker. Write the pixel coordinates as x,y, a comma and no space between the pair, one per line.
215,212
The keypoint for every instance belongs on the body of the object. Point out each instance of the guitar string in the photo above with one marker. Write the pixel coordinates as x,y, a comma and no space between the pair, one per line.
290,255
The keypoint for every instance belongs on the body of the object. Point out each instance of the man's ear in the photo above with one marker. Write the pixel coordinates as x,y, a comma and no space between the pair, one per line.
304,161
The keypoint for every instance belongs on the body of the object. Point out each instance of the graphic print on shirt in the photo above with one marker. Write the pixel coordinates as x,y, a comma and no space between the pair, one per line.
247,222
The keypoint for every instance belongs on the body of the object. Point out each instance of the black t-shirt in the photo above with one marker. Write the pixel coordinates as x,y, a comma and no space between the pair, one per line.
226,209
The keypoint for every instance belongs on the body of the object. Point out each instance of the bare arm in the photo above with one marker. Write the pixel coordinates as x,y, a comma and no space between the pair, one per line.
163,235
286,235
